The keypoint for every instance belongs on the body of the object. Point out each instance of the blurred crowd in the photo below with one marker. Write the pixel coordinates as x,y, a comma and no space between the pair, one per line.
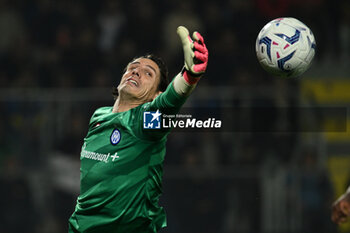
69,45
72,44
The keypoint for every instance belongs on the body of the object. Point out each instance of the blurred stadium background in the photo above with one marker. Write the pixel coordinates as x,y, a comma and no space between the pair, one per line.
59,60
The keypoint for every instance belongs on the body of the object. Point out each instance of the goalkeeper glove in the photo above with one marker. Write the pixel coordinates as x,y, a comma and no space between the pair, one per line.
195,54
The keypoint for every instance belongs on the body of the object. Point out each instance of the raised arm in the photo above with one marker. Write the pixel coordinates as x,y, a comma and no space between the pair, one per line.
196,60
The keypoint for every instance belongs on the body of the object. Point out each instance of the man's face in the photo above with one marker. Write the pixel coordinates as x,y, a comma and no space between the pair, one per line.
140,81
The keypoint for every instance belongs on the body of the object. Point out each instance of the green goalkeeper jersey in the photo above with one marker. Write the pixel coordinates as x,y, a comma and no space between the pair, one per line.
121,170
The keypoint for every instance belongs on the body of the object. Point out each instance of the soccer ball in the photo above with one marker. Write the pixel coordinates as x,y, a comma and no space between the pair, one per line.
285,47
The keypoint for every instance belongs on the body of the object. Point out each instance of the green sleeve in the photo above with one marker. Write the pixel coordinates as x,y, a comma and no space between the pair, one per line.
168,102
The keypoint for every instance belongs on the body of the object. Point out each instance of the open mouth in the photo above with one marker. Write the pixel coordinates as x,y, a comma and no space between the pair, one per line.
132,81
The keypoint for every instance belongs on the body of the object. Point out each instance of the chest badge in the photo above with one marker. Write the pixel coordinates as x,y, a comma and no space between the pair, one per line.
115,137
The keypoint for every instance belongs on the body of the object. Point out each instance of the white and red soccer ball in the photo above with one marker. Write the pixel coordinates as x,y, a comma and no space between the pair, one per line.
285,47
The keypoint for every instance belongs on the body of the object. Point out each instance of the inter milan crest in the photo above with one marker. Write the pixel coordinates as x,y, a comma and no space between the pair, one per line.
115,137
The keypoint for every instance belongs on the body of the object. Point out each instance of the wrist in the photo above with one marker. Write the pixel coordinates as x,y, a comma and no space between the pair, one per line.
181,86
189,78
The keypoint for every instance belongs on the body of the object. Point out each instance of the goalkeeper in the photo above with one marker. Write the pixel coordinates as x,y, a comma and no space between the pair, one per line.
341,208
121,162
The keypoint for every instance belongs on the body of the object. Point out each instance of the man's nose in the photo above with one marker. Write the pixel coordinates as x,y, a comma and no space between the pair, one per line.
136,72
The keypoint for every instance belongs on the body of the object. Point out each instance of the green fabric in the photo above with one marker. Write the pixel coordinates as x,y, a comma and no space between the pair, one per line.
121,184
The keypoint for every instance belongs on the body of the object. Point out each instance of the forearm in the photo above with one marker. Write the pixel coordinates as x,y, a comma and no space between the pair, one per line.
184,84
170,101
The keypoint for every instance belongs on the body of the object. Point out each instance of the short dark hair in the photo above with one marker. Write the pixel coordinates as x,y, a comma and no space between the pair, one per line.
164,80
